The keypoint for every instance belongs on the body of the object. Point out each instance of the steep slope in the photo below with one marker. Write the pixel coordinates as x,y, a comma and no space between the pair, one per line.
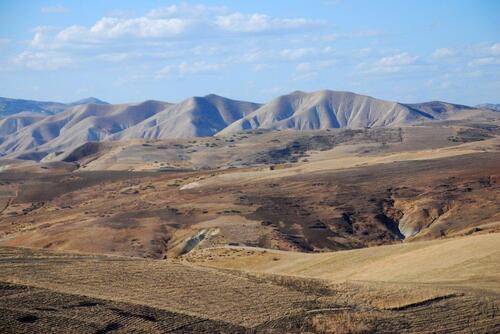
193,117
15,123
80,124
326,109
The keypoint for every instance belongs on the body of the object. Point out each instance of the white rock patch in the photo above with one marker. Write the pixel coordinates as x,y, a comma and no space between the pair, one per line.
191,185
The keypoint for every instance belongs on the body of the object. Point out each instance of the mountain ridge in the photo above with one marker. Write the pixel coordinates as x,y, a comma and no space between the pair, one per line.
10,106
88,100
333,109
210,115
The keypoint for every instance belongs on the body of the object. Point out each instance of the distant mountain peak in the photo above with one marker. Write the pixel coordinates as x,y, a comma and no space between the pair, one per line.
297,92
213,96
88,100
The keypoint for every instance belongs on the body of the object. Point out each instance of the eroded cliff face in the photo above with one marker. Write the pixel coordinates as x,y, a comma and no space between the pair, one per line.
428,212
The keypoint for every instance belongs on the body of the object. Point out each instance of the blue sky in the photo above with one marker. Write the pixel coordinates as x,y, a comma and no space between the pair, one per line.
123,51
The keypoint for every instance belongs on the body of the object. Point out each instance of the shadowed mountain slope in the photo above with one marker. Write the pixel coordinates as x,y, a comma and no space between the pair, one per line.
15,123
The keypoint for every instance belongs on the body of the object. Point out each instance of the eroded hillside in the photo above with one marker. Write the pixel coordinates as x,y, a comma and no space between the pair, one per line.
300,191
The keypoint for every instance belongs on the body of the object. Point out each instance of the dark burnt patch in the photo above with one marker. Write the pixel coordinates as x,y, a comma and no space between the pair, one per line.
28,319
109,327
297,148
130,219
476,132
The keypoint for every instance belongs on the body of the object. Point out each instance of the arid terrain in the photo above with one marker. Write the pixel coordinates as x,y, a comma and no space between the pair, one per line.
389,229
253,167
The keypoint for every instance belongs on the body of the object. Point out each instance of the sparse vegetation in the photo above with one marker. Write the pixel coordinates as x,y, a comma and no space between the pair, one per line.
341,323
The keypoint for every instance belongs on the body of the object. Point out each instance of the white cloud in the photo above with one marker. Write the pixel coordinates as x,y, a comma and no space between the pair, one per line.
495,49
40,37
260,67
204,50
315,66
247,23
294,54
180,33
118,56
299,53
485,61
42,60
326,63
303,67
395,62
114,28
186,10
54,9
442,53
184,69
198,67
388,64
327,49
270,54
252,56
399,59
487,49
362,53
170,22
109,27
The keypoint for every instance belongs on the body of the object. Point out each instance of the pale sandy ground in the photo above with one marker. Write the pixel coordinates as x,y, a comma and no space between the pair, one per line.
468,261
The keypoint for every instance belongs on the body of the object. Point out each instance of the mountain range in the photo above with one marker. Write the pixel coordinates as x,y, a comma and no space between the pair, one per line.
33,129
491,106
14,106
